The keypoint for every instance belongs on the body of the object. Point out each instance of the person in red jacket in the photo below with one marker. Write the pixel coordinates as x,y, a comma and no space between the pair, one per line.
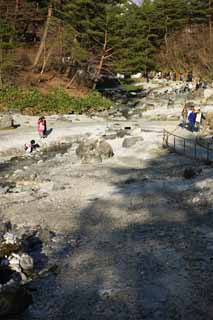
42,127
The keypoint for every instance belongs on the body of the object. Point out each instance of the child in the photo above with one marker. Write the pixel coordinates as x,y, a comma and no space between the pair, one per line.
42,127
30,147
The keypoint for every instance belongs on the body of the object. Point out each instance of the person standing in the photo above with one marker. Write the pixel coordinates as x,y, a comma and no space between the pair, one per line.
192,118
199,118
42,127
184,114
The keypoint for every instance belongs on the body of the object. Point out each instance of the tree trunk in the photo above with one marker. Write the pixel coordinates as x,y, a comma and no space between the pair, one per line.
43,40
166,37
105,55
46,59
72,80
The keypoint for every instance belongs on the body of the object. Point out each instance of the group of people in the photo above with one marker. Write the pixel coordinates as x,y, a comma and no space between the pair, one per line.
192,118
42,131
170,76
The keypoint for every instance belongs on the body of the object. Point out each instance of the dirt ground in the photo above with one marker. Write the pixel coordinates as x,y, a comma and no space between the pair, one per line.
144,232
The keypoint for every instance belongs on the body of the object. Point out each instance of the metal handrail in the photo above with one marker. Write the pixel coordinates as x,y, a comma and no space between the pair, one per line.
189,147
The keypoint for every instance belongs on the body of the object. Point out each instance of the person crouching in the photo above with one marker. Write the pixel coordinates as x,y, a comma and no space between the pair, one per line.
30,147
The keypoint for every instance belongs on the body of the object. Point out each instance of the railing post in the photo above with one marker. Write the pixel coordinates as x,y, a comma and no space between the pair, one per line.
164,137
174,143
184,145
167,138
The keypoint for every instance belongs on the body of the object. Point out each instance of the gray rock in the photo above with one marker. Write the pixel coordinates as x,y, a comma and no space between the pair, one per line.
136,132
4,189
94,150
104,149
45,235
109,136
26,262
6,121
121,133
131,141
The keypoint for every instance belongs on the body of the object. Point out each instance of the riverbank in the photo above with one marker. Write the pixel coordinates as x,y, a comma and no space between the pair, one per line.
140,230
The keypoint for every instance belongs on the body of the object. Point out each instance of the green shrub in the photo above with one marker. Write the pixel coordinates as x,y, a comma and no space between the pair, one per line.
131,87
57,101
95,101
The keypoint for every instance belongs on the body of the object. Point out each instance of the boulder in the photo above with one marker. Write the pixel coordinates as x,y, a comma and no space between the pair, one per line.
91,150
208,93
86,147
110,135
121,133
5,227
104,149
136,132
6,121
131,141
26,262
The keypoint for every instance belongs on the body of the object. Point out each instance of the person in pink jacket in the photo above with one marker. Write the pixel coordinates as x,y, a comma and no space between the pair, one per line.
42,127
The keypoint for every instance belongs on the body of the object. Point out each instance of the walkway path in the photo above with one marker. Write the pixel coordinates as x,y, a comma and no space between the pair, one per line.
185,142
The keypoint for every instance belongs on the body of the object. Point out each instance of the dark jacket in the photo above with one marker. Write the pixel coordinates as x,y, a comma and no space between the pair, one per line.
192,117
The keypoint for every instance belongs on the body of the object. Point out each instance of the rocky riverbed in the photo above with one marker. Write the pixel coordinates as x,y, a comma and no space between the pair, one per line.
128,228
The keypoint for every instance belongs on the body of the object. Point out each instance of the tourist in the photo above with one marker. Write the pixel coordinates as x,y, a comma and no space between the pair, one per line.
184,114
199,118
191,119
190,76
30,147
181,77
42,127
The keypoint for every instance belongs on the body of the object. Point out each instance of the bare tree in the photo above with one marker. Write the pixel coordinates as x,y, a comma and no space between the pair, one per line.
44,37
106,54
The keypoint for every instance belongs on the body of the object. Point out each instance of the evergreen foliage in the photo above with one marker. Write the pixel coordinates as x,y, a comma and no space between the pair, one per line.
102,36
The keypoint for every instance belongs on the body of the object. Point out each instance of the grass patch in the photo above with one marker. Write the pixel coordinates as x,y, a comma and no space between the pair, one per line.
58,101
129,86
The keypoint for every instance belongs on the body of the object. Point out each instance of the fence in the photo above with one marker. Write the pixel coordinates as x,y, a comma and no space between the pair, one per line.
189,147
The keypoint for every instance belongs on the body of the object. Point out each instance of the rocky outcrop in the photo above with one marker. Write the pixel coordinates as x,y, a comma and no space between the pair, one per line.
6,121
91,150
131,141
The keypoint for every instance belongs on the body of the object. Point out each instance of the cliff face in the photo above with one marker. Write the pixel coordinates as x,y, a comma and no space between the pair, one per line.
189,49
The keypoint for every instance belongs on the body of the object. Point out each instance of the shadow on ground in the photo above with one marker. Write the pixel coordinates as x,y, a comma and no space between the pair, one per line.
146,251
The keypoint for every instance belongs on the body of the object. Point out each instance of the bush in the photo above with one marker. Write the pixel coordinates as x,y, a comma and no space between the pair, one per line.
57,101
